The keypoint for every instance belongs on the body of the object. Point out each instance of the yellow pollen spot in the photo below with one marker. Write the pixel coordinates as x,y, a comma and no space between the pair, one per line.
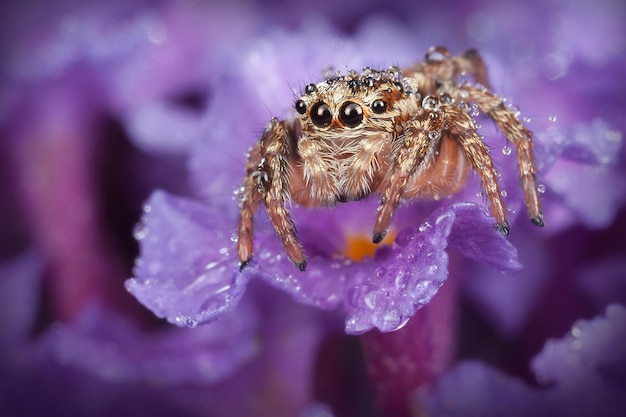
360,246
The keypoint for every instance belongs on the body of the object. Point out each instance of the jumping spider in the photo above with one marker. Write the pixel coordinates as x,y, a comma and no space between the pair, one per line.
404,134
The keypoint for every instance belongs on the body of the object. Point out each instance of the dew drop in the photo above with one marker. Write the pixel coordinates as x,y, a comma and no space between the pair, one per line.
526,119
140,231
552,117
507,150
541,188
430,103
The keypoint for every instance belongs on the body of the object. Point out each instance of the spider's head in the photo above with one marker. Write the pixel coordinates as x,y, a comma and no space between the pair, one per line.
354,103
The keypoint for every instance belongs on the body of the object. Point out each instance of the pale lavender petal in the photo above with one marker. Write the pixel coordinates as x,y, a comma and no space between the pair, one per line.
187,272
473,388
581,374
587,368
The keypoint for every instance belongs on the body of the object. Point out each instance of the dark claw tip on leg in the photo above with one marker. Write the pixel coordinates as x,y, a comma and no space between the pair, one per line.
377,237
242,264
503,228
538,221
301,266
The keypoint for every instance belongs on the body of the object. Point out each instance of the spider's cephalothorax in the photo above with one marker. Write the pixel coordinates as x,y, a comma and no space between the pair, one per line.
403,134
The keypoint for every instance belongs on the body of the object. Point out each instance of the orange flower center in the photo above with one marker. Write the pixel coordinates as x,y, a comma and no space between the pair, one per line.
360,246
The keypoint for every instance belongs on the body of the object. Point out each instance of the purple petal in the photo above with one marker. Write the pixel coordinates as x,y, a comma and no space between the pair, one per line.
187,272
111,348
584,374
473,388
19,296
475,236
587,367
387,291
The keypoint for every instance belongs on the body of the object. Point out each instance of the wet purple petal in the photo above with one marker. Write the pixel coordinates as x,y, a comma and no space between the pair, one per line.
187,272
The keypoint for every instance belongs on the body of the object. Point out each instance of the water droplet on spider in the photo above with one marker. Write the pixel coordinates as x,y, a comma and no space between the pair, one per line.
552,117
507,150
541,188
430,103
433,135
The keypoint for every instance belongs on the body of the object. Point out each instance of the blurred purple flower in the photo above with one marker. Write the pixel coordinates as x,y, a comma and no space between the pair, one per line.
101,104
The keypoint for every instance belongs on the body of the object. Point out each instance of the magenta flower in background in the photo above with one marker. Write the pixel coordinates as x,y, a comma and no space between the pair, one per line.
124,129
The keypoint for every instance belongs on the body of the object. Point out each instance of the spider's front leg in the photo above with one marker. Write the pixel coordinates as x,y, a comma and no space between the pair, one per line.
417,144
267,179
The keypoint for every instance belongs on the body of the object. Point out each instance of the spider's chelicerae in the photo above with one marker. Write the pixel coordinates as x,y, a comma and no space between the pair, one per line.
404,134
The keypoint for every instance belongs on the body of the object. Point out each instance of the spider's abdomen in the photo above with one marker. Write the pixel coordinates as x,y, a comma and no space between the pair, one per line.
441,174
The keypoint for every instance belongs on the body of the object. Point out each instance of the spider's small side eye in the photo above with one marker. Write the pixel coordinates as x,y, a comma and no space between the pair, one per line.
320,114
351,114
379,106
300,106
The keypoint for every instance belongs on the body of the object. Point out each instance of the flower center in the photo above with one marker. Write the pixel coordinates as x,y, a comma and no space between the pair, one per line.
360,246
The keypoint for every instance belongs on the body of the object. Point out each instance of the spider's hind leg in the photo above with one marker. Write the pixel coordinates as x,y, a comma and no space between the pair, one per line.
521,138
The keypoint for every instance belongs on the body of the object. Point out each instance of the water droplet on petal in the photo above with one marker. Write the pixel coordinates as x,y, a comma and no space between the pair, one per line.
140,231
503,193
507,150
552,117
541,188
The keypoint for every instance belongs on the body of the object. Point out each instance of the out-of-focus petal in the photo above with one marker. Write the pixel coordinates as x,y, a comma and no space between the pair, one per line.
113,349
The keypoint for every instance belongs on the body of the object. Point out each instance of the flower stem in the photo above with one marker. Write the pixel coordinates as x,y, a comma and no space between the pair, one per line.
413,357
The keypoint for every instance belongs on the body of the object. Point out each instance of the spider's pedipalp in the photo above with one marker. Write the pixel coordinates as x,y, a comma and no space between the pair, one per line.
267,179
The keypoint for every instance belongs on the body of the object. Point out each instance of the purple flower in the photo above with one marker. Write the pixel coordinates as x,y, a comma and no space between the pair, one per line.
123,131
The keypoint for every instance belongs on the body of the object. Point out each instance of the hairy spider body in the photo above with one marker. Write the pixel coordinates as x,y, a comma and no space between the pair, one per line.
402,134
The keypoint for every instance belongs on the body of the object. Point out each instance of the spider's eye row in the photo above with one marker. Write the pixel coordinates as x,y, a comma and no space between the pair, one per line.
310,88
300,106
351,114
320,114
379,106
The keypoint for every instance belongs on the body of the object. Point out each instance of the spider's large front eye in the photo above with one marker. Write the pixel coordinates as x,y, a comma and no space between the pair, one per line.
320,114
351,114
